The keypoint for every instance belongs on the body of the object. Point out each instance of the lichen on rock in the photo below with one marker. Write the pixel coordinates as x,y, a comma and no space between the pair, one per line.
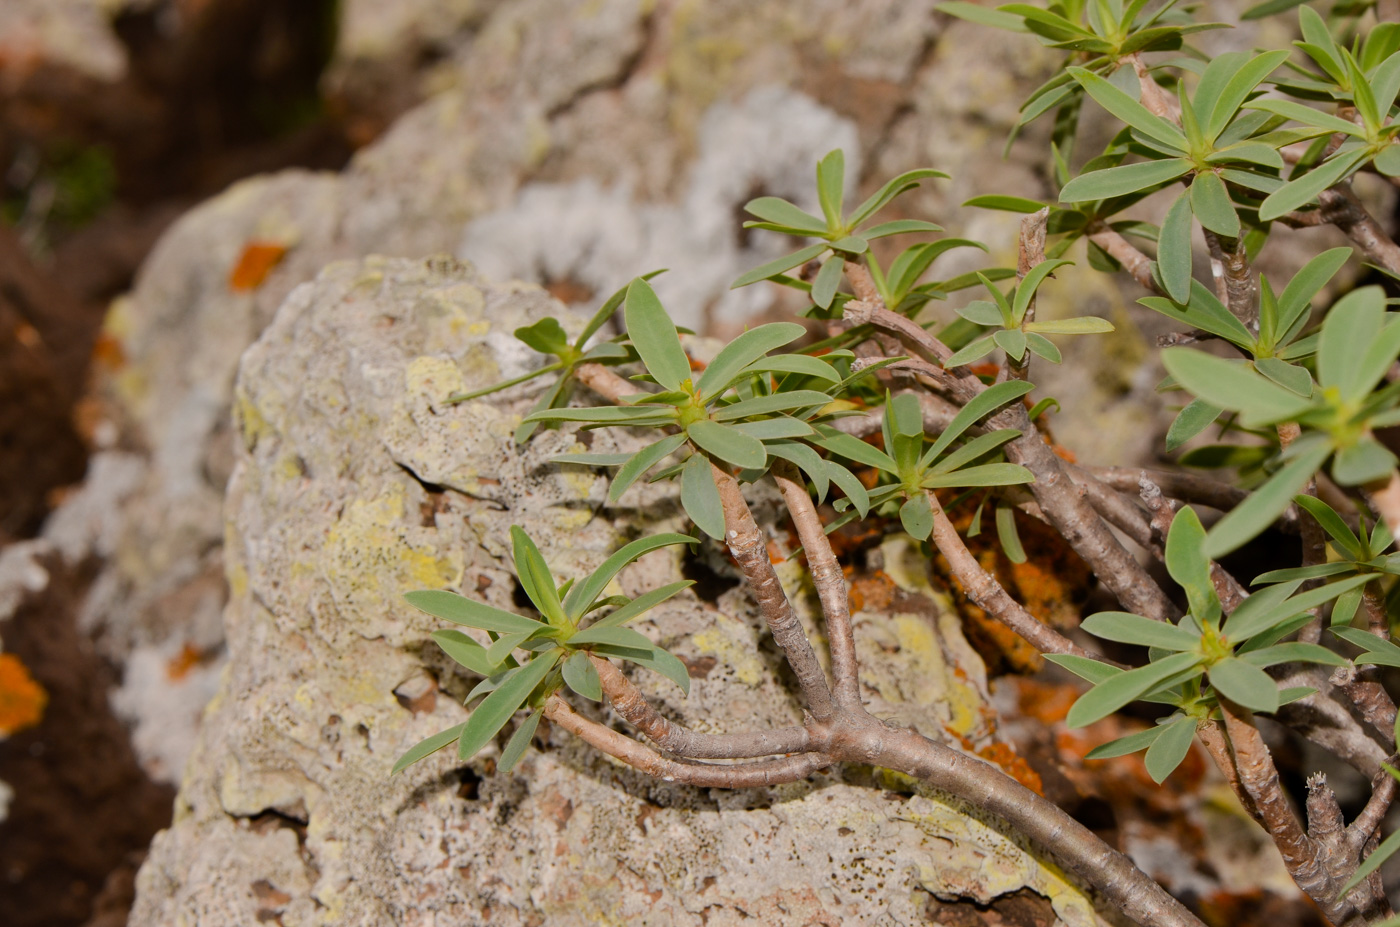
288,809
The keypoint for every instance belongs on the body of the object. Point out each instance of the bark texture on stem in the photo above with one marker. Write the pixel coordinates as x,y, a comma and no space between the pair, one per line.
750,550
829,580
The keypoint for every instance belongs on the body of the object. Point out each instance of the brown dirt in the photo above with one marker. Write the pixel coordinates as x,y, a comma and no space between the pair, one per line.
83,810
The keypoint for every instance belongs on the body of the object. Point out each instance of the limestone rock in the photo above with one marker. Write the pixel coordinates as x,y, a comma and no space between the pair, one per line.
353,483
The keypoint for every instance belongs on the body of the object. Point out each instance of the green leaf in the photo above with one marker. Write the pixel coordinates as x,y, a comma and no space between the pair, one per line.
1232,385
851,244
828,279
807,460
450,606
981,312
1332,523
464,650
1127,628
654,336
607,415
1169,749
743,351
1352,325
667,665
1265,504
853,448
495,710
977,447
641,462
582,596
592,460
983,16
1112,694
1083,667
781,212
611,635
1012,341
557,394
700,496
1241,626
984,403
1373,862
916,515
1122,180
1081,325
519,741
1362,462
1306,115
1316,571
1041,346
799,364
784,263
1190,567
427,747
641,604
1388,161
1205,312
831,180
1125,745
766,405
767,429
1291,377
1129,110
1006,203
1270,8
1244,684
898,227
727,444
1026,289
1293,652
1174,250
994,474
535,577
877,201
546,336
1008,536
1249,76
1196,417
850,485
1344,609
974,350
1300,192
1210,202
503,645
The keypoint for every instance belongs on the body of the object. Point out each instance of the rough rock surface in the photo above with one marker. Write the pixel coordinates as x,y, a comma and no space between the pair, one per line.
354,483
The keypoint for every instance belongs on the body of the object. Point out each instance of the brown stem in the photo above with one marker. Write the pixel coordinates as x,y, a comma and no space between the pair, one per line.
1383,787
746,544
701,775
1241,293
829,581
1259,777
1343,209
1188,487
1212,737
983,786
628,702
1125,253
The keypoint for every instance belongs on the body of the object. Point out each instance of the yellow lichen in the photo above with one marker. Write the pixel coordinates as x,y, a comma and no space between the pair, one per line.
748,669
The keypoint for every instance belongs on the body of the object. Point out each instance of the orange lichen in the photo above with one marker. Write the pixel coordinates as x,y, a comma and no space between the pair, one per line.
254,264
1011,763
22,699
180,665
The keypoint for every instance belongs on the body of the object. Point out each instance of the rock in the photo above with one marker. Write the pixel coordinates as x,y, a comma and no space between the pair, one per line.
353,483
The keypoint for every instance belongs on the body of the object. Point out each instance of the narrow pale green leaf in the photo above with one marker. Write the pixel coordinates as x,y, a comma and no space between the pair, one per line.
916,515
1306,115
1126,745
667,665
1244,81
1205,312
503,645
785,263
1363,462
534,575
1379,855
1091,670
1291,377
1190,567
984,403
1122,180
460,610
799,364
464,650
1210,202
853,488
1081,325
831,181
592,460
1168,750
700,497
641,462
729,445
582,596
767,429
974,350
898,227
1006,203
1008,536
611,635
654,336
1264,504
606,415
977,447
1174,250
1293,652
744,350
1041,346
1127,628
1352,325
1333,524
781,212
877,200
1240,627
1301,192
427,747
1129,110
519,741
495,710
853,448
1012,341
806,460
766,405
983,16
1316,571
828,279
1026,289
641,604
1232,385
994,474
1112,694
1196,417
1244,684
